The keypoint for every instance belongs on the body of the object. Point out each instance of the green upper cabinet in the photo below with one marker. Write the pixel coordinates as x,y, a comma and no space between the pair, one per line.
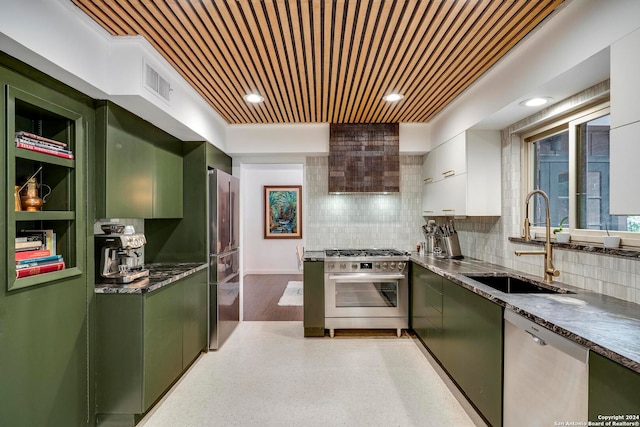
167,185
139,167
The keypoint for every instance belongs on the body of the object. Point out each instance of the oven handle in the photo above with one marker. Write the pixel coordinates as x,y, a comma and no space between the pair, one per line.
367,277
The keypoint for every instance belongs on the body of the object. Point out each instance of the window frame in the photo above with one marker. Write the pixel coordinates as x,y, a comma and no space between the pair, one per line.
568,123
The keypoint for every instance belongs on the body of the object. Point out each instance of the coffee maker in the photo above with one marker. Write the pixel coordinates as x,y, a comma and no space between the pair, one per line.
118,257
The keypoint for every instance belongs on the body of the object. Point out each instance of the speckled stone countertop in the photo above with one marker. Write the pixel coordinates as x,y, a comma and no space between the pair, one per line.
607,325
160,275
583,247
313,256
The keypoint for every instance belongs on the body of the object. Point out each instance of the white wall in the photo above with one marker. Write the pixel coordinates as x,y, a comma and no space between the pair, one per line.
310,139
57,38
260,255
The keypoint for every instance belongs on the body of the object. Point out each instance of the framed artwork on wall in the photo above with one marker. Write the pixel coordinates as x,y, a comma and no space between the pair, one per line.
282,211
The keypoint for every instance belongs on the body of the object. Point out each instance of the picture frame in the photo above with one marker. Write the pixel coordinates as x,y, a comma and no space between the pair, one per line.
282,211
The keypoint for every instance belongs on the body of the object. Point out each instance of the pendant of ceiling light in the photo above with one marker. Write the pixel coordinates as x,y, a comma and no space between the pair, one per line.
393,97
253,98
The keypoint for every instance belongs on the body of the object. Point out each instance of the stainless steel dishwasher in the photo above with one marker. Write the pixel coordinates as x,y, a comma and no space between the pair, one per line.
545,376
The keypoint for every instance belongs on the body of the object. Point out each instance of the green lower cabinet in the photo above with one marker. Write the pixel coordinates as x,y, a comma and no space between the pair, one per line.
473,348
194,329
144,343
613,390
162,341
313,299
426,308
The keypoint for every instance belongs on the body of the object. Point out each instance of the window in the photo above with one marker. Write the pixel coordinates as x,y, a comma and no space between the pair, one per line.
569,160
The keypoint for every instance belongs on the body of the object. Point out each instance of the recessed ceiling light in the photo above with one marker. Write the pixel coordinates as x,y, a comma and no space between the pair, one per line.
536,102
393,97
253,98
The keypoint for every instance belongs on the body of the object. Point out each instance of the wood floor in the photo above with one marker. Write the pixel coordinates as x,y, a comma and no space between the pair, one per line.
261,293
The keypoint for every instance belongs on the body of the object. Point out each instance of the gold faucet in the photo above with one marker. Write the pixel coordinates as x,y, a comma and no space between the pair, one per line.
549,269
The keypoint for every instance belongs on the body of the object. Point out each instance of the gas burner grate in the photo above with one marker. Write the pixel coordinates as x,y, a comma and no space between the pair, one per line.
362,253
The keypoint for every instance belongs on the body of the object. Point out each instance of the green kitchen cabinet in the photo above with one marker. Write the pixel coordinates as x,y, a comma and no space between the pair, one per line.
139,168
45,336
472,347
144,343
195,321
167,183
426,318
313,299
186,240
613,390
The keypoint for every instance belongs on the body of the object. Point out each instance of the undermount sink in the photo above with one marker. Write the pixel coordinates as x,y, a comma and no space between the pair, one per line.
513,285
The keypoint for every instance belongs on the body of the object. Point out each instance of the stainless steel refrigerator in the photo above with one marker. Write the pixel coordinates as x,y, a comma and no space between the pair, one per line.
224,259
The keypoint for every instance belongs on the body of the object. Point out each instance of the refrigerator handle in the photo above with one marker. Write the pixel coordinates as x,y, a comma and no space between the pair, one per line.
231,236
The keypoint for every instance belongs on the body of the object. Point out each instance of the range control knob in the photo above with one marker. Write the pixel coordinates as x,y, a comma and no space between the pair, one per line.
354,266
384,265
331,266
392,266
343,266
377,266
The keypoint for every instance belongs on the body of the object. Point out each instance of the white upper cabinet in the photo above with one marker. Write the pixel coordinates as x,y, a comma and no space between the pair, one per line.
625,126
625,84
452,156
462,176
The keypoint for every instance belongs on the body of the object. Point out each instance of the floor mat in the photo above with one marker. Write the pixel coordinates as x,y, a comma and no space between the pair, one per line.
292,294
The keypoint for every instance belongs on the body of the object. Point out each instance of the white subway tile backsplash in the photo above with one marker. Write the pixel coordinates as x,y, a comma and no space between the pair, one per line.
363,220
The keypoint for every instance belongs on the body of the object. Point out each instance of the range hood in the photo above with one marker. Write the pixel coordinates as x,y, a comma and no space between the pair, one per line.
364,158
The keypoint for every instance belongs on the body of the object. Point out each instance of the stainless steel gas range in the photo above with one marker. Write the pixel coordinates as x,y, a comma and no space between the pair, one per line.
366,289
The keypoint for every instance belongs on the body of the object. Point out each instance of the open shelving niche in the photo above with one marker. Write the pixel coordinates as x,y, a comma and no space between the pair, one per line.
62,211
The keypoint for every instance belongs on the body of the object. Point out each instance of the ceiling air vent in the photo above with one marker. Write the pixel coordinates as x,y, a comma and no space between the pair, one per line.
156,83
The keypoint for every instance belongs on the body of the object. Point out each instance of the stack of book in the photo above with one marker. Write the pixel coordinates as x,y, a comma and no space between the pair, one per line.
36,253
33,142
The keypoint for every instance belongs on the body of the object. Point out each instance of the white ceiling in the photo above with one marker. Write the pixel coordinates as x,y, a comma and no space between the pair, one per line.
584,75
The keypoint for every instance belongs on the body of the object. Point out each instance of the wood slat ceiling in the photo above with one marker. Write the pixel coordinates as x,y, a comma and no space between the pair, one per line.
326,60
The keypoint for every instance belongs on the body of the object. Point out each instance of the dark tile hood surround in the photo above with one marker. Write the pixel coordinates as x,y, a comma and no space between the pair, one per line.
364,158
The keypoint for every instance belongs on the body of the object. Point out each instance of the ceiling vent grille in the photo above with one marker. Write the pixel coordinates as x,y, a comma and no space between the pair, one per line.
156,83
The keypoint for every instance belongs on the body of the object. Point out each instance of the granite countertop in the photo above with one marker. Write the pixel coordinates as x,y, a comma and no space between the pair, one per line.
160,275
313,256
609,326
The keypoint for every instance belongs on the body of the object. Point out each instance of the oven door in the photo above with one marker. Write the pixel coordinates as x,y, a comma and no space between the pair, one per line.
366,295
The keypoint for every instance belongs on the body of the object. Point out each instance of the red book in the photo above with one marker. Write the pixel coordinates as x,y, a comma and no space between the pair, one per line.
32,271
43,150
39,253
40,138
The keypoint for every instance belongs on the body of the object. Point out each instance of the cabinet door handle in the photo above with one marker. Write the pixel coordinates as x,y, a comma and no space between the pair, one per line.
449,173
448,210
427,180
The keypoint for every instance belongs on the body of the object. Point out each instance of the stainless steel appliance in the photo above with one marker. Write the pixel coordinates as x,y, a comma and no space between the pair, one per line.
366,289
119,258
224,258
545,375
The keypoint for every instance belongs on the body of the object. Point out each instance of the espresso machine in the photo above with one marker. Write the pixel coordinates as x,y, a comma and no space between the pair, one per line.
118,257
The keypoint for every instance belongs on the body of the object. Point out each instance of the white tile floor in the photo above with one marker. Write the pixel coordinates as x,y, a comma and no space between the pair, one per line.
267,374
